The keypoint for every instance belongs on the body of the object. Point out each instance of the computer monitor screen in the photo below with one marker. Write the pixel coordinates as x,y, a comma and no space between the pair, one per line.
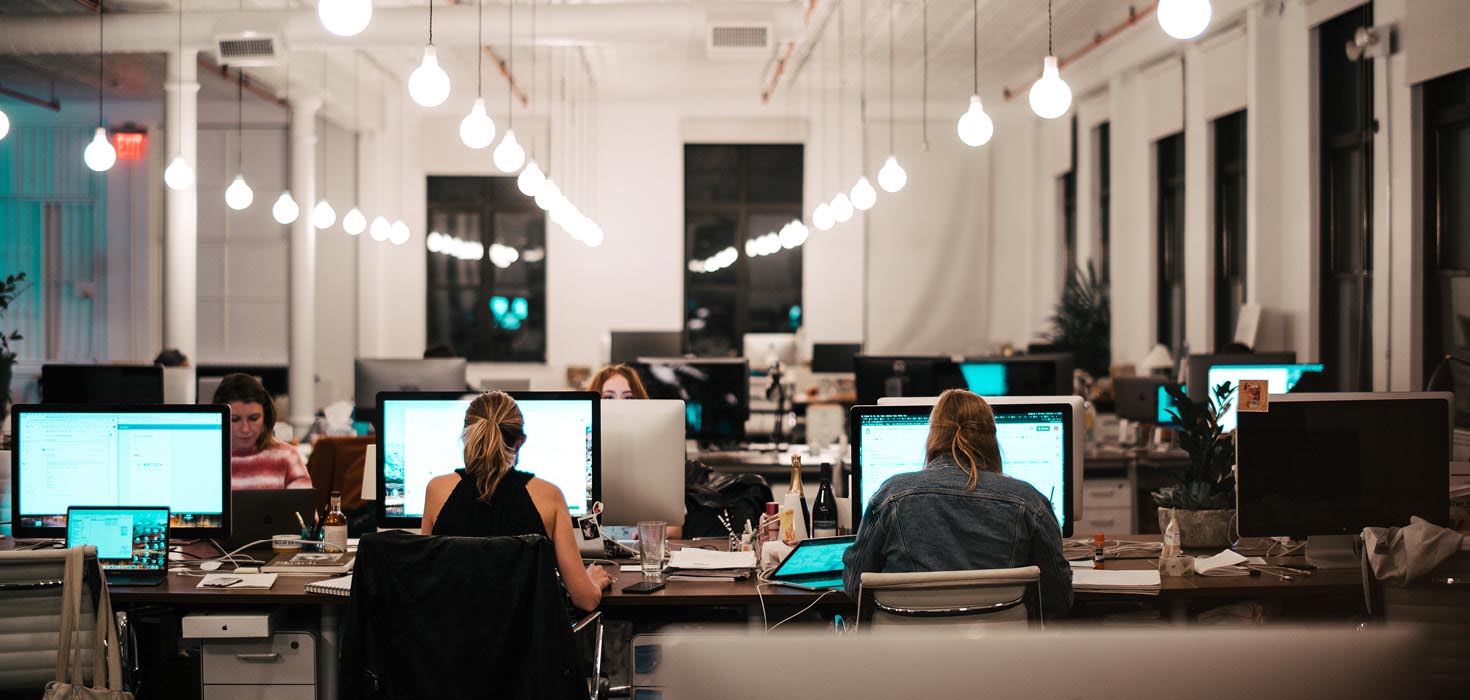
1036,446
1168,407
101,384
715,392
127,539
379,375
628,346
1137,398
910,375
834,358
422,437
1197,369
762,348
1047,374
176,456
1333,464
1280,379
275,378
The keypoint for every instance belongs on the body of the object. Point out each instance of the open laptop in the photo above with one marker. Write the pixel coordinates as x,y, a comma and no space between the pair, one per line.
131,541
263,514
815,564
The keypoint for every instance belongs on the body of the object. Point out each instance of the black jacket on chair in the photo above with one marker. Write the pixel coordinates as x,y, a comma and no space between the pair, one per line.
457,617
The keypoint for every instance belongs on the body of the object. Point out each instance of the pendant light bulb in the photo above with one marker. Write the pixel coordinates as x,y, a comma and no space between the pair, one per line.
822,217
477,130
239,195
354,223
531,180
863,196
1184,19
381,229
179,175
1050,97
892,177
548,196
593,236
323,215
841,208
345,17
4,124
428,85
285,210
398,233
975,127
99,155
509,156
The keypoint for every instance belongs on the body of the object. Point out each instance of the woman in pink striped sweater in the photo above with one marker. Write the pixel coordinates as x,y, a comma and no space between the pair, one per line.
257,459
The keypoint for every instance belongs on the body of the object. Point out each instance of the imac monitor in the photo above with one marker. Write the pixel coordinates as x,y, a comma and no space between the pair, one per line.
275,378
1038,445
122,456
762,348
101,384
1333,464
834,358
1137,398
628,346
1048,374
1280,379
643,461
421,438
401,375
715,392
911,375
1197,369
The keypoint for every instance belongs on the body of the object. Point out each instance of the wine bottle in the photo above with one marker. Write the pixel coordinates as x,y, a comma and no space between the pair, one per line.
334,526
806,515
824,509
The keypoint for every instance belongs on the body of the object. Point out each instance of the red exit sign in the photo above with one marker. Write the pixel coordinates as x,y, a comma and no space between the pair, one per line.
130,145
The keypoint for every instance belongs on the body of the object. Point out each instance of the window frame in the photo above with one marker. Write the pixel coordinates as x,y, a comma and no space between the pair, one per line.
1230,236
1169,272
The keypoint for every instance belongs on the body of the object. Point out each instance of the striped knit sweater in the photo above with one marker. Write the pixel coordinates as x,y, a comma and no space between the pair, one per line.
278,467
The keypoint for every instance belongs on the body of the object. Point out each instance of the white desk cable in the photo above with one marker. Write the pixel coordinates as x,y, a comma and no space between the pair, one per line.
799,613
231,557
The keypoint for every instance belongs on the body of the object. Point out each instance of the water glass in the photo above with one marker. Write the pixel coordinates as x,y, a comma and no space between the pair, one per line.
651,547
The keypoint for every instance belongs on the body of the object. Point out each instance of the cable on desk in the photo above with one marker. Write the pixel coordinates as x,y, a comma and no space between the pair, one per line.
813,604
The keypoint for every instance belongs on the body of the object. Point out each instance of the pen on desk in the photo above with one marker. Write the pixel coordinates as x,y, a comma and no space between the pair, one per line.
301,520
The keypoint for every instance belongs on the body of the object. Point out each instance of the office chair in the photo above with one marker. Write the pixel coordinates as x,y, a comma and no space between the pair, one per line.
337,464
949,598
1453,374
1439,605
31,584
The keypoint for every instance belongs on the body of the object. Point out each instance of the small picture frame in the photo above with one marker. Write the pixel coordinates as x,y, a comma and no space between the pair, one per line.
1253,396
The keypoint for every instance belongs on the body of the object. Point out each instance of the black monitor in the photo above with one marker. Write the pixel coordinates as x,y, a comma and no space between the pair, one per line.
628,346
834,358
908,375
1333,464
94,455
421,437
376,375
1038,444
69,384
1197,369
1020,375
275,378
715,392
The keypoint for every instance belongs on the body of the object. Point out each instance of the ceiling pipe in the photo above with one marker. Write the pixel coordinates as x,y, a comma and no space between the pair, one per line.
795,53
1098,39
251,85
515,87
50,104
559,25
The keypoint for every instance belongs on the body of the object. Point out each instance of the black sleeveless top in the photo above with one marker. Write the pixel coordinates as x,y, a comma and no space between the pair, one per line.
510,511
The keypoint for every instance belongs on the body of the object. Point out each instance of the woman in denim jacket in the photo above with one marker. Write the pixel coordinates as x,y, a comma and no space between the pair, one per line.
961,512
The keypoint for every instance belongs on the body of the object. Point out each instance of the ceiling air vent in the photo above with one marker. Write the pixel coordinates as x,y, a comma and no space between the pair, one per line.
739,39
249,49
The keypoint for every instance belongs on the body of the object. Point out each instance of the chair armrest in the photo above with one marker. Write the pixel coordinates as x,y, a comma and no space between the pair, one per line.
582,623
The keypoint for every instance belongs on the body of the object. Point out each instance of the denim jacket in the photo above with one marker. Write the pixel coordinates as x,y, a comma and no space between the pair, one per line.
927,521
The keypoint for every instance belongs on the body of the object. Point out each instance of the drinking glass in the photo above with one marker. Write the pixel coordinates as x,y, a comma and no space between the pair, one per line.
651,547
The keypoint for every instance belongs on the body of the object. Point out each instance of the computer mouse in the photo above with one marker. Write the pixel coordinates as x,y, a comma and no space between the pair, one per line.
210,565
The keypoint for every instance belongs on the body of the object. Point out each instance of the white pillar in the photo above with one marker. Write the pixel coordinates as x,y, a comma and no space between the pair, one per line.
303,263
181,238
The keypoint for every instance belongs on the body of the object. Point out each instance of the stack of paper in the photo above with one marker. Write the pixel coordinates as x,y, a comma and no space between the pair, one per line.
1141,582
707,564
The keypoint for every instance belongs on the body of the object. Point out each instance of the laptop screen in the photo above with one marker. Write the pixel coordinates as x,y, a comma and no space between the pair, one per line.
816,563
127,539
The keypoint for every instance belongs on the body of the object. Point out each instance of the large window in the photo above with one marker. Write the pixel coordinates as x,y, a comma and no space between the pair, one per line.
487,282
1229,224
1345,258
1067,194
1101,139
732,194
1446,217
1169,156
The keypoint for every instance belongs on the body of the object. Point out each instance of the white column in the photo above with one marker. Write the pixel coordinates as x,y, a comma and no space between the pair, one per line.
181,237
303,263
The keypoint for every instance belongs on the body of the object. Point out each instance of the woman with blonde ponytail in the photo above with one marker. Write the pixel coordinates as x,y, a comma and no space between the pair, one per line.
490,498
961,512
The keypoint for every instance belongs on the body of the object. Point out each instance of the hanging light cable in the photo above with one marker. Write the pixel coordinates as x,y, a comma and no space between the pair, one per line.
822,213
863,196
354,223
1050,97
841,206
477,130
975,126
285,210
323,215
179,175
428,85
99,154
531,178
891,177
239,195
509,156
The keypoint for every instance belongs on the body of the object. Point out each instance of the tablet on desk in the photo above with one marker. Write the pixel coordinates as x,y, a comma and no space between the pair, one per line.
815,564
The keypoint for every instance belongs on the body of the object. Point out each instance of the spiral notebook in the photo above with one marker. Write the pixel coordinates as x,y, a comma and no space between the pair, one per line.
332,586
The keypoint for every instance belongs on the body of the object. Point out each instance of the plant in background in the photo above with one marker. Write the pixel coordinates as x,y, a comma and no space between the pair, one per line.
9,290
1208,482
1082,322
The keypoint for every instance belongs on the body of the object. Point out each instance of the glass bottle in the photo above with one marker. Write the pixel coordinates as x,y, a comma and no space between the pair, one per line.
796,488
334,526
824,509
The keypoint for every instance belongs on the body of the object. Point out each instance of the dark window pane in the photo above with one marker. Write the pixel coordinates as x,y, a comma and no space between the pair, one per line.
1230,241
712,174
774,174
1170,265
1446,249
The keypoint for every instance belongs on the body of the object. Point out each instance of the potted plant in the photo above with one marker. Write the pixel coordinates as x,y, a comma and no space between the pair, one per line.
1082,321
9,290
1202,501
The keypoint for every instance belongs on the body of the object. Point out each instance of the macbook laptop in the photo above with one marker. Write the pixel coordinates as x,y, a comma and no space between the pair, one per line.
815,564
263,514
131,541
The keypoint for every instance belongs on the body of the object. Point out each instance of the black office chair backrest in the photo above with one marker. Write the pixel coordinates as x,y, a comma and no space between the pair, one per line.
1453,374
